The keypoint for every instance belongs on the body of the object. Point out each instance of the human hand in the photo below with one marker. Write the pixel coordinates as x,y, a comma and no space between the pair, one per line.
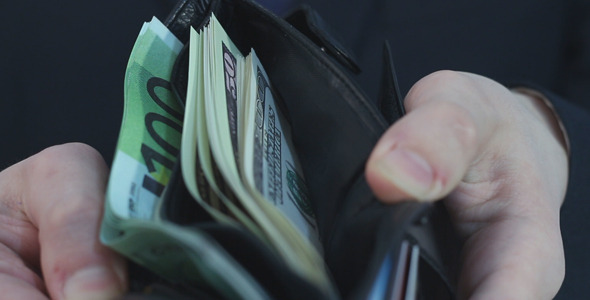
499,159
50,208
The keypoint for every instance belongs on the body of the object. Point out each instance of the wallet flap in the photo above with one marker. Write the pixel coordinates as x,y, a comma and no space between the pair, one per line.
390,100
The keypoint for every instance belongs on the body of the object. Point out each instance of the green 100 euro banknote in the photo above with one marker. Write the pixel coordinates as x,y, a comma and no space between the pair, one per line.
147,150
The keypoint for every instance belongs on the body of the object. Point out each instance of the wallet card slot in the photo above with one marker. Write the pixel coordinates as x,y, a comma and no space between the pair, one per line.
440,246
376,230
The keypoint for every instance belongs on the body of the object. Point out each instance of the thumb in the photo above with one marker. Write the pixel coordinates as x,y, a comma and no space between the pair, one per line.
426,153
64,201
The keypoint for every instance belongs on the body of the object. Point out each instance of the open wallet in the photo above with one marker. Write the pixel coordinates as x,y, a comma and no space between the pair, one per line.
371,250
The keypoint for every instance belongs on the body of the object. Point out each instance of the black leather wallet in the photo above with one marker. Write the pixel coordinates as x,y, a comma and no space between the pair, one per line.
334,128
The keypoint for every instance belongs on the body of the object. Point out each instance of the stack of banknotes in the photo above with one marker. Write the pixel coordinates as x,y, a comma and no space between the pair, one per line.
237,161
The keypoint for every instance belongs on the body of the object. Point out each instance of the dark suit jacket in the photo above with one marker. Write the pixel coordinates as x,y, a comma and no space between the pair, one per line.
62,67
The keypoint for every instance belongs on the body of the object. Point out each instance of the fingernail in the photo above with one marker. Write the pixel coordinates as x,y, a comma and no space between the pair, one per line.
409,172
92,283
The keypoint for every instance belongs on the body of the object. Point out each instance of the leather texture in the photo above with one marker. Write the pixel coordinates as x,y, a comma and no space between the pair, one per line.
309,22
334,128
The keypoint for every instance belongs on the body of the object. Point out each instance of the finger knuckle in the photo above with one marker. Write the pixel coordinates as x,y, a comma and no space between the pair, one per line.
445,79
436,84
69,152
459,122
56,160
446,76
60,174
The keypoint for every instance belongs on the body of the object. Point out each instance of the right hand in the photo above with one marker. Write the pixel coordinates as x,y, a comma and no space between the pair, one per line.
499,160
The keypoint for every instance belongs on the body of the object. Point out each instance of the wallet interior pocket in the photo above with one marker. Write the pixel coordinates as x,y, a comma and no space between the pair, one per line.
263,264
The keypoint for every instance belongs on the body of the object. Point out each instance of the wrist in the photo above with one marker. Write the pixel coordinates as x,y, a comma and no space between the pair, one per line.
539,105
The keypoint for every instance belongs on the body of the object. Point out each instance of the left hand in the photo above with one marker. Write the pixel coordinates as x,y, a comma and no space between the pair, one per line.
50,210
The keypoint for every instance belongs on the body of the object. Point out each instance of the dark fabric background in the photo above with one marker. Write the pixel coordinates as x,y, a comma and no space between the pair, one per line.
61,71
62,65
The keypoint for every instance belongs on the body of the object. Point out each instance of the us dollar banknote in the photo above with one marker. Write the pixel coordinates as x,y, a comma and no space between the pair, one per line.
198,169
270,163
227,76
